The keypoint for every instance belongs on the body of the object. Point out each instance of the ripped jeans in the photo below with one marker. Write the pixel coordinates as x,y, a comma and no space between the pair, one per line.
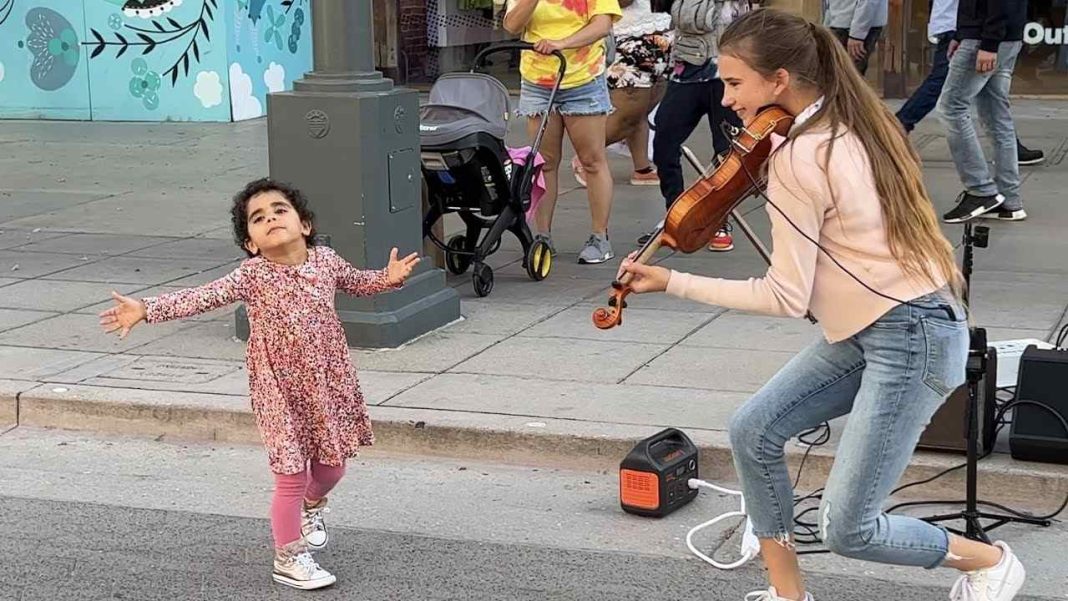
890,378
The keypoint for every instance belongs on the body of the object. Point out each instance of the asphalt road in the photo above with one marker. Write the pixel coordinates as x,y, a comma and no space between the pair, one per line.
68,551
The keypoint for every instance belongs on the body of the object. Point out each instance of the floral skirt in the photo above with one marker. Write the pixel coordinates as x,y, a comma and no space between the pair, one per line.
640,61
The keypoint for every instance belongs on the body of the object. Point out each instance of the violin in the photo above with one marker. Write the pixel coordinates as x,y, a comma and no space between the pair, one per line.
703,208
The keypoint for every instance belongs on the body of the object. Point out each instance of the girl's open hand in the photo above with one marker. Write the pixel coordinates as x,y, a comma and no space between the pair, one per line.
399,270
126,313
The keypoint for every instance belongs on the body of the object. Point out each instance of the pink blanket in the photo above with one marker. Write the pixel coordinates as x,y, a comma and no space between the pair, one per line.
518,156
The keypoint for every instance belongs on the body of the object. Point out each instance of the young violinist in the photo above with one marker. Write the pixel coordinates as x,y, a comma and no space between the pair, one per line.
856,242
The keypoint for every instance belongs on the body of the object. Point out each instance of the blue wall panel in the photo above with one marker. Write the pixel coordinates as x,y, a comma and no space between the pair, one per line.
149,65
43,66
149,60
269,45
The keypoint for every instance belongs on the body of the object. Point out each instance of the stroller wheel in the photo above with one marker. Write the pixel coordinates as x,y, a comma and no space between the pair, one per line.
539,261
482,279
457,263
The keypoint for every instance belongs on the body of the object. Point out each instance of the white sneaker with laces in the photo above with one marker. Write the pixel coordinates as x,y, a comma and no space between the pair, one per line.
294,566
999,583
771,595
312,525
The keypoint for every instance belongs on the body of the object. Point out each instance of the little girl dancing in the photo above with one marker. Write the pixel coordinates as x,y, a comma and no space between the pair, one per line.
305,395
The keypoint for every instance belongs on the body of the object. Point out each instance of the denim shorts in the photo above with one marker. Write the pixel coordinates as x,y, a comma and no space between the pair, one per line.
588,99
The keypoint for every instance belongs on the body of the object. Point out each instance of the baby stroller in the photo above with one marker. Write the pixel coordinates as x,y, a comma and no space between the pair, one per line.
468,170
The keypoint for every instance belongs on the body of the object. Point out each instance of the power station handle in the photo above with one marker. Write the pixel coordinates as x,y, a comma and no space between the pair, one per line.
662,436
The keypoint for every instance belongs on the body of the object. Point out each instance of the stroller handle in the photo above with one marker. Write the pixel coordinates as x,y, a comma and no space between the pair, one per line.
480,58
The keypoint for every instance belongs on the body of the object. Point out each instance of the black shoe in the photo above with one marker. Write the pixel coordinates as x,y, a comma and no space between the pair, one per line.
645,237
970,206
1026,156
1002,214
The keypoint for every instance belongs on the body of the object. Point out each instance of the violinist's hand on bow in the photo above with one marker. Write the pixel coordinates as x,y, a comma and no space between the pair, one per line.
644,278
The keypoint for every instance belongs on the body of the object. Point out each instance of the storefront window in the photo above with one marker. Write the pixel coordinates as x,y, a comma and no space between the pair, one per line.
1042,67
458,29
451,32
1043,64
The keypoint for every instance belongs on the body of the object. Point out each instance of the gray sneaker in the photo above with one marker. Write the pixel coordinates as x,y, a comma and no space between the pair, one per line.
596,250
548,240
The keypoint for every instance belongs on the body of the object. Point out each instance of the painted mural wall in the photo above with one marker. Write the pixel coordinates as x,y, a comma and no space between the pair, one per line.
149,60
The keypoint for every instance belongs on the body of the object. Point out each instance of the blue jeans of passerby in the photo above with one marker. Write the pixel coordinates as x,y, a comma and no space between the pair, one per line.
989,93
890,378
925,97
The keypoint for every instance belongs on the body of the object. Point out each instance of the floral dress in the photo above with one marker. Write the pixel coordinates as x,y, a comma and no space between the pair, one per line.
303,387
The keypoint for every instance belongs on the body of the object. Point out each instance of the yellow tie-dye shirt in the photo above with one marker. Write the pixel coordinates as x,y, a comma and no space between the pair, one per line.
556,20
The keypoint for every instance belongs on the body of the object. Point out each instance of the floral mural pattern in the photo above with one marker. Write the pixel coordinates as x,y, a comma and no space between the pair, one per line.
148,39
6,7
54,45
153,60
145,84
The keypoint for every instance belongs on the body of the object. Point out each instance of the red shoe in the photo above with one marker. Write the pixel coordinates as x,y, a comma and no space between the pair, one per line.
722,241
650,178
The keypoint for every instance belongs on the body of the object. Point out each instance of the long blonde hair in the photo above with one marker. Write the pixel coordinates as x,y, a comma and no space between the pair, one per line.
769,39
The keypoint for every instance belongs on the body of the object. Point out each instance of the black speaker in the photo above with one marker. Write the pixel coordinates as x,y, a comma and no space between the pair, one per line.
1036,434
948,430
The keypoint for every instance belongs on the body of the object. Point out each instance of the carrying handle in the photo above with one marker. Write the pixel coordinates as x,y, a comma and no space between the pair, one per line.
662,436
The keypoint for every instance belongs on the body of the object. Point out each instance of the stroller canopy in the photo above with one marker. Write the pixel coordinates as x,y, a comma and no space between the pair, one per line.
461,104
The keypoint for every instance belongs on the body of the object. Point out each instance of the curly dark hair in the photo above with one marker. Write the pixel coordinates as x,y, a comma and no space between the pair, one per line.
239,210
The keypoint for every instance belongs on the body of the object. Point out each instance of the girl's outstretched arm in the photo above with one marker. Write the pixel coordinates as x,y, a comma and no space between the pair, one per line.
366,282
194,301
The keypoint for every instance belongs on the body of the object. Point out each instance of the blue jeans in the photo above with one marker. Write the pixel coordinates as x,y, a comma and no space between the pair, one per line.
925,97
890,378
989,93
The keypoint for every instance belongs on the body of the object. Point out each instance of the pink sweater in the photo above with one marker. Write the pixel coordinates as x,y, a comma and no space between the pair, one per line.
848,224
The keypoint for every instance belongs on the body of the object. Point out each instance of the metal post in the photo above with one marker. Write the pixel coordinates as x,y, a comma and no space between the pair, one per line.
350,140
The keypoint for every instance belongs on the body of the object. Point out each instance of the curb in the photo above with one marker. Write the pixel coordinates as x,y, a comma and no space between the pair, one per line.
501,438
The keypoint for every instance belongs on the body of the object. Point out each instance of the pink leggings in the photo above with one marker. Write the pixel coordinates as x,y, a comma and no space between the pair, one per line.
290,490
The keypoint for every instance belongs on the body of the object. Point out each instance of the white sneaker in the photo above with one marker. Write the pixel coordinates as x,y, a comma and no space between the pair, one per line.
294,566
312,525
999,583
771,595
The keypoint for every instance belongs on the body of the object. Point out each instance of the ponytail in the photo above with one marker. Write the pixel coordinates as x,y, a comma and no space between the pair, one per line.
768,40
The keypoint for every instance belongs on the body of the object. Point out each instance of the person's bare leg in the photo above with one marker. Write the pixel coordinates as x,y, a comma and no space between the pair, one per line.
551,144
621,123
630,111
587,134
968,555
784,573
638,143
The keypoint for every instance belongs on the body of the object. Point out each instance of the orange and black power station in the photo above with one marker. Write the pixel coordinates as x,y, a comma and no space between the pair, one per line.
653,476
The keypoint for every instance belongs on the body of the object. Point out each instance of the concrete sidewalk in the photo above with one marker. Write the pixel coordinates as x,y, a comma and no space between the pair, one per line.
90,207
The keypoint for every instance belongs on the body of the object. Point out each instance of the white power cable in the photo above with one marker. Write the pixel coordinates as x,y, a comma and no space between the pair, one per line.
750,545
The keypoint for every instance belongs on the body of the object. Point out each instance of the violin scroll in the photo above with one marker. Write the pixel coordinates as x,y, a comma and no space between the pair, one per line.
611,316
